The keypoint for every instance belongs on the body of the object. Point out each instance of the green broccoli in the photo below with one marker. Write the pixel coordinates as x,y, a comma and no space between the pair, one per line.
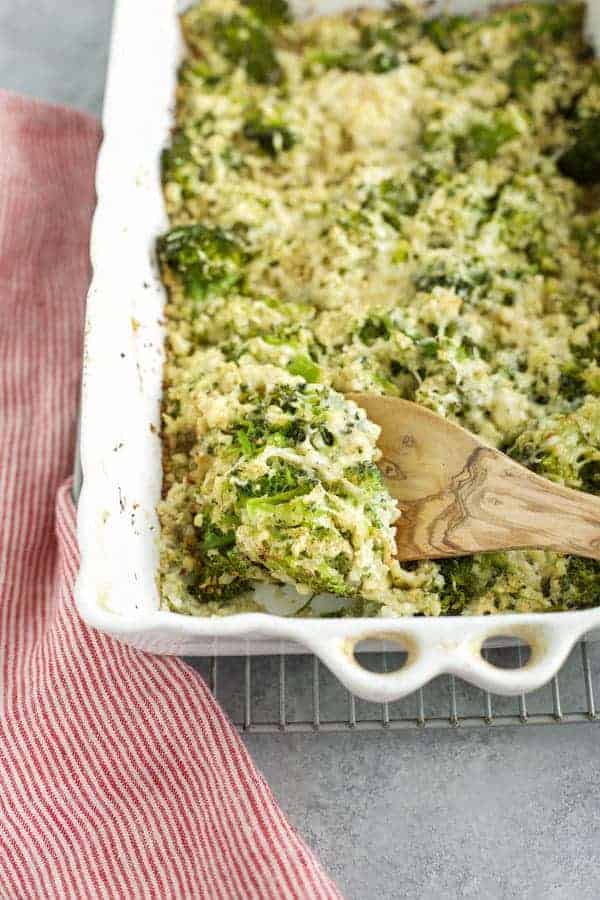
271,135
304,367
373,328
444,30
467,578
405,380
544,22
348,59
525,71
371,35
395,198
194,71
353,59
282,482
482,141
223,572
572,385
559,20
377,50
466,282
205,260
365,475
214,539
586,233
375,53
175,157
398,29
303,416
579,376
273,12
564,446
580,585
581,161
244,40
400,198
590,476
590,351
384,43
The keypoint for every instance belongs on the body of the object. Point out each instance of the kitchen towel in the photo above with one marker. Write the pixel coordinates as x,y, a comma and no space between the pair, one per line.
120,777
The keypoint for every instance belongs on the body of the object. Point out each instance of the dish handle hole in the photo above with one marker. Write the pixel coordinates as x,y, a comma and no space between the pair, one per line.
506,651
381,654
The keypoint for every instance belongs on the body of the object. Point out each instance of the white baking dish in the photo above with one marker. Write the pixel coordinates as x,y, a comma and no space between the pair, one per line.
120,448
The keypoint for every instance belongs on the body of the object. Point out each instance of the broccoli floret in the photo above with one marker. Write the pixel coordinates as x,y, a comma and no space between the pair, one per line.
244,40
543,23
214,539
590,351
400,199
482,141
192,71
223,571
176,156
465,282
282,482
564,446
466,578
271,135
303,417
580,585
205,260
399,28
371,35
384,61
348,59
557,20
374,328
396,198
379,47
386,40
304,367
579,376
586,232
183,160
365,475
273,12
444,30
525,71
581,161
590,476
405,380
572,385
353,59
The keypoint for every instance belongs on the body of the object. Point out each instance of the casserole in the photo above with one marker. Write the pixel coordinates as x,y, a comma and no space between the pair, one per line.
120,446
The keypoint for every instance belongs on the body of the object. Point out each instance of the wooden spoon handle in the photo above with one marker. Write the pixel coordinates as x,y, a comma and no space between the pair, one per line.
496,504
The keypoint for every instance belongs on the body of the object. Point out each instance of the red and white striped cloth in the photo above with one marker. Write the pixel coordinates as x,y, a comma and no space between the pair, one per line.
120,777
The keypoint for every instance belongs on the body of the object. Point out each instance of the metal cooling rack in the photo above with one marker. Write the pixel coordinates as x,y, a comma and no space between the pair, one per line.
295,693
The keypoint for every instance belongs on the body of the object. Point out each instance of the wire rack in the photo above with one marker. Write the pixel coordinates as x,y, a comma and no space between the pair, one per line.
295,693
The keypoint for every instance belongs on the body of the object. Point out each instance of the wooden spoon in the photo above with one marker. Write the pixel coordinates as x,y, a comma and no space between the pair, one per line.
459,496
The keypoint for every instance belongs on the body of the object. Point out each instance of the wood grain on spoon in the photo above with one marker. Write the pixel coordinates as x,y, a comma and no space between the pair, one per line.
459,496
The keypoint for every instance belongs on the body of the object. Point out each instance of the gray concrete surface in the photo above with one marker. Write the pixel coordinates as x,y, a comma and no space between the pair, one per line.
56,49
511,813
501,813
